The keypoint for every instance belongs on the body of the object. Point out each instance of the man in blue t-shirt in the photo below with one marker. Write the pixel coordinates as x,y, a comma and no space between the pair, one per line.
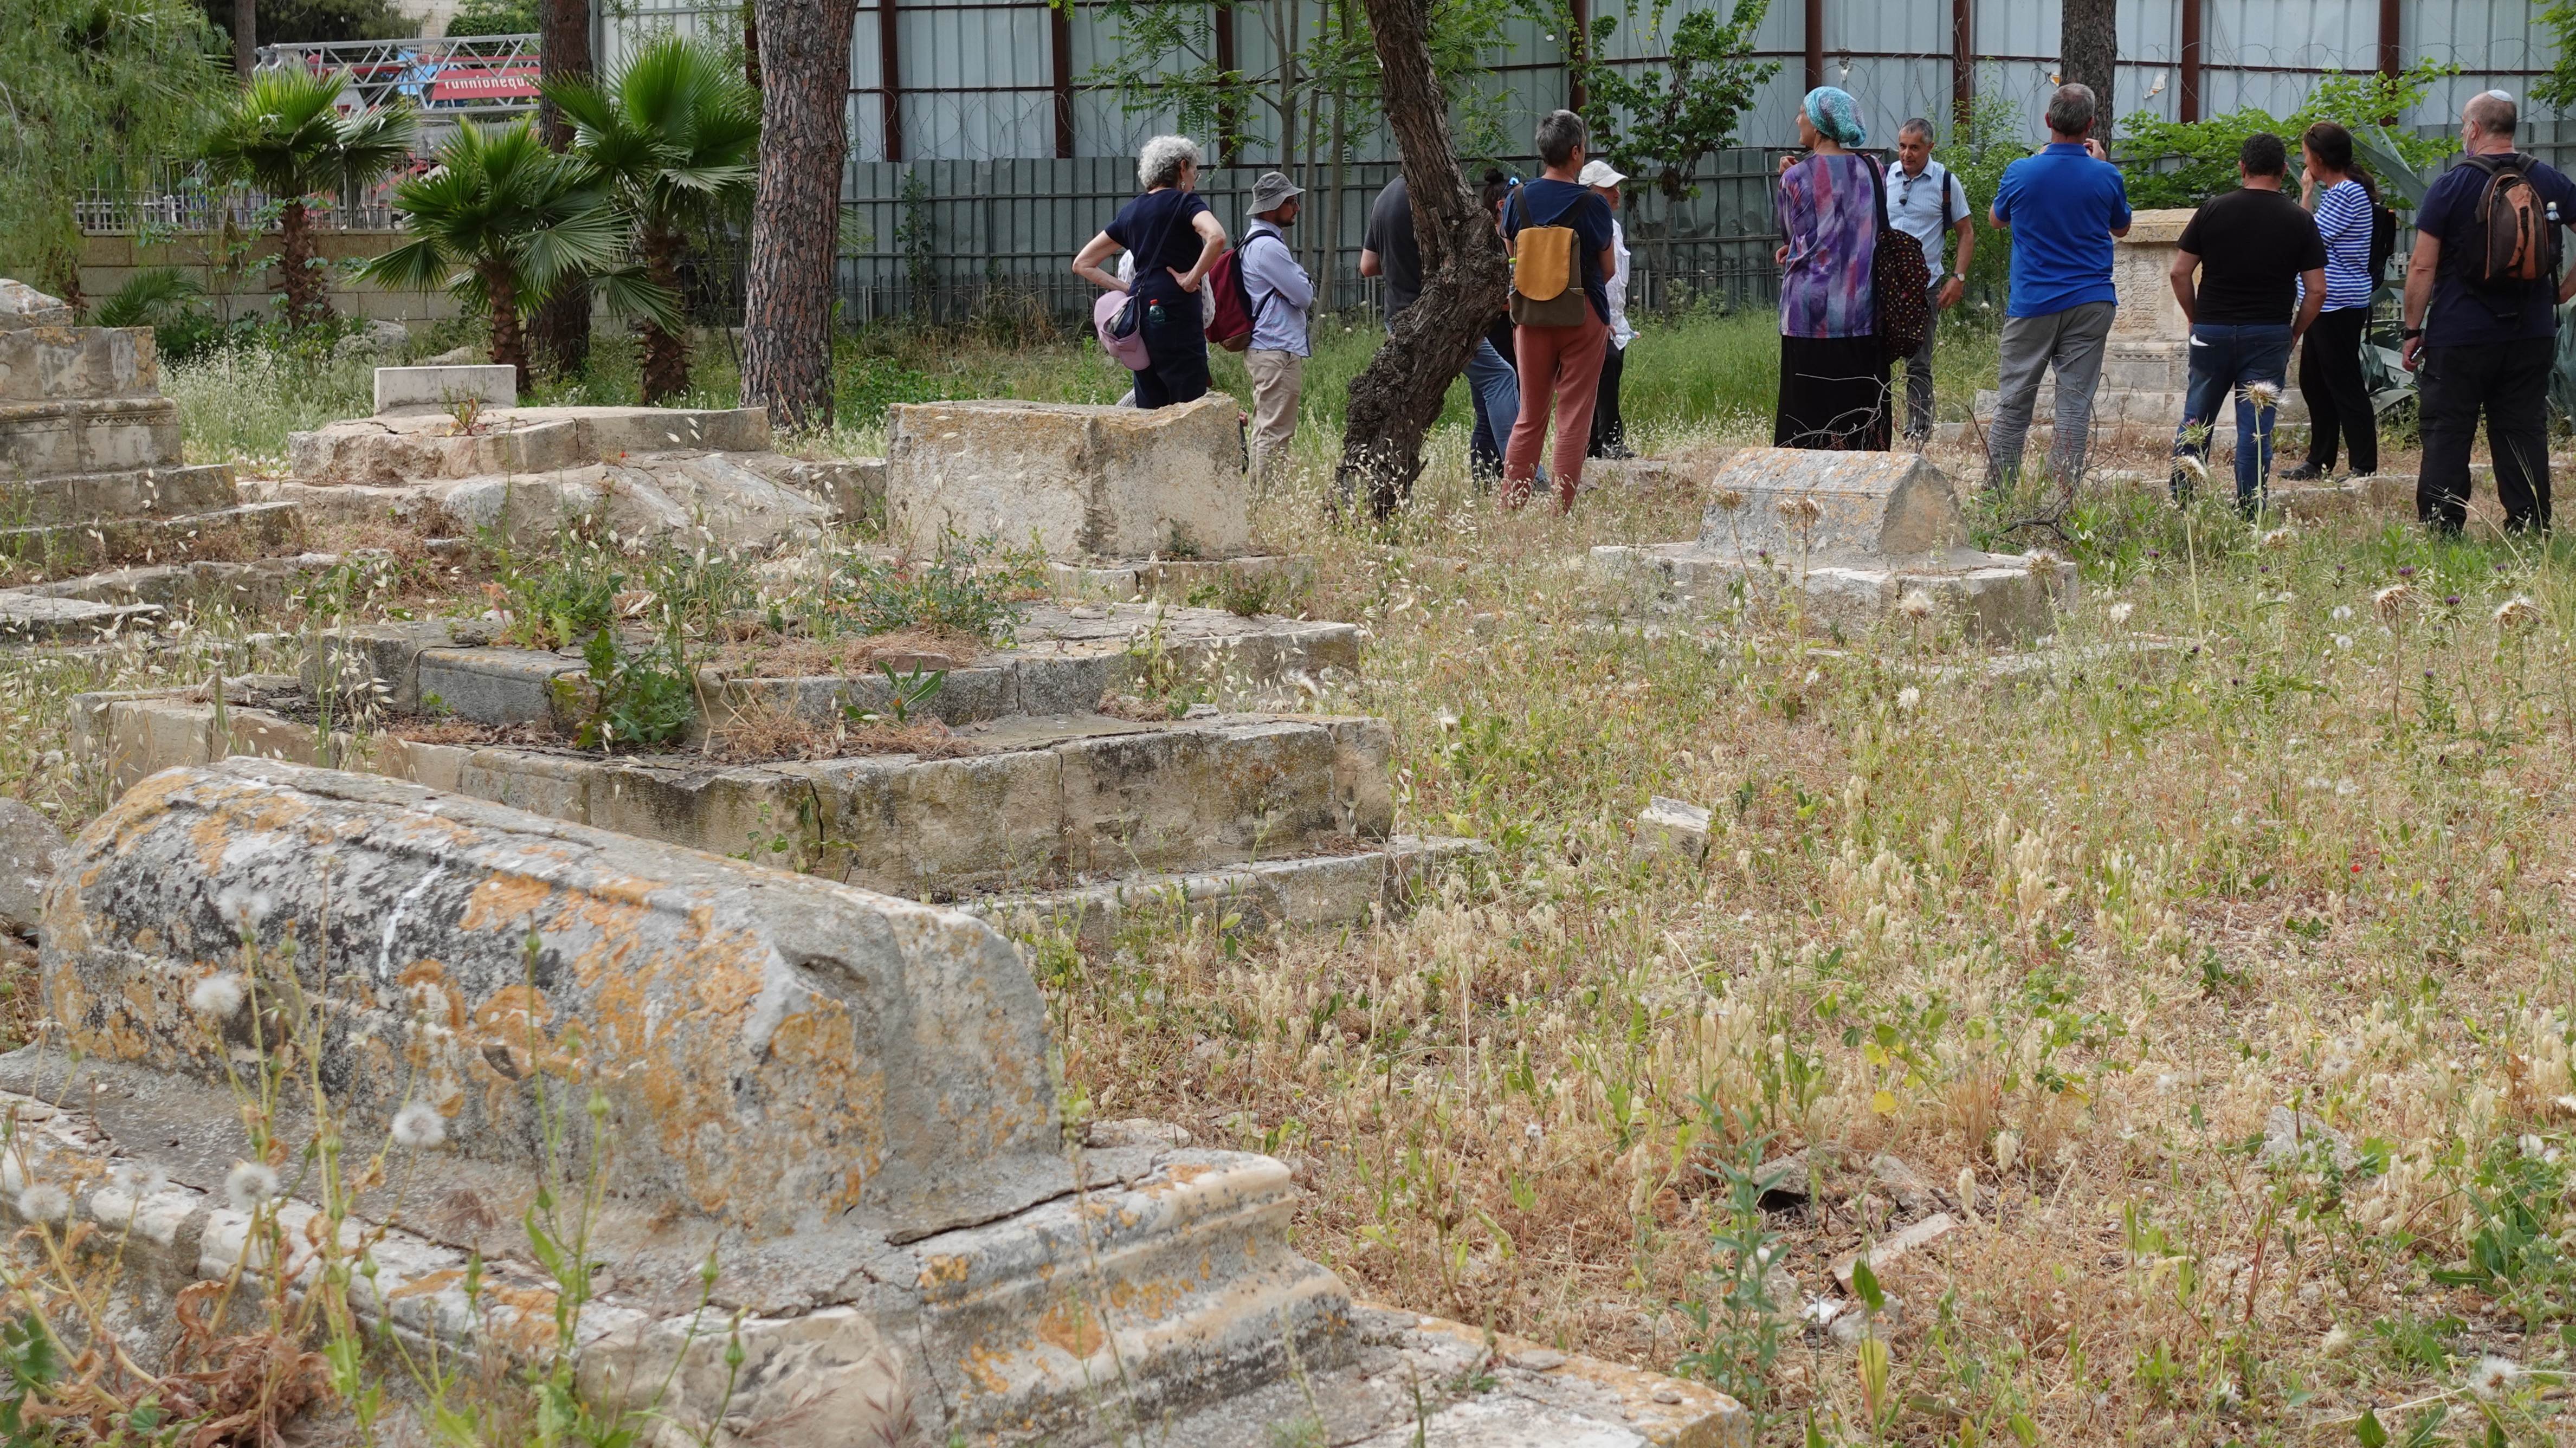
2486,347
2063,207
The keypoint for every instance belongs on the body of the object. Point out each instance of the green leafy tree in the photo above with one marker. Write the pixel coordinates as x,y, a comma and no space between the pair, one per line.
1663,123
2184,163
302,22
494,17
501,224
672,141
92,93
285,135
2558,87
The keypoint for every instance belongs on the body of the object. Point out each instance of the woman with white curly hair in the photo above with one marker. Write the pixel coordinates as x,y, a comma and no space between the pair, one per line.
1175,239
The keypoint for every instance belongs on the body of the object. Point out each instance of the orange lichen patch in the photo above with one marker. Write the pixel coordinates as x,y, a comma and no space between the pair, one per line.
431,995
945,1271
984,1366
1070,1326
504,901
435,1282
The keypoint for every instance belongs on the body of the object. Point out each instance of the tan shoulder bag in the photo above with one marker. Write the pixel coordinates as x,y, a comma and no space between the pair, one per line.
1547,273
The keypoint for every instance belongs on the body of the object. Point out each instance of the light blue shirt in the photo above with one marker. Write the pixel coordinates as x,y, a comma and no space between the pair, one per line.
1280,290
1925,205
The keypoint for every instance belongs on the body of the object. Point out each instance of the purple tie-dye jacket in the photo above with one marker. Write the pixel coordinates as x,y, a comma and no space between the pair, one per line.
1829,212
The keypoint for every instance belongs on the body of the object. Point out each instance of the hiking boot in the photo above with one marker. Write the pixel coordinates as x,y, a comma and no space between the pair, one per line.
2303,473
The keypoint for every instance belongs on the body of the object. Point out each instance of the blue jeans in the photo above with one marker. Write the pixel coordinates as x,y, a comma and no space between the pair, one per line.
2228,359
1494,385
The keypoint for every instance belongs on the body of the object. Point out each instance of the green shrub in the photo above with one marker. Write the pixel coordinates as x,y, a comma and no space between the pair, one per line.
965,588
2179,163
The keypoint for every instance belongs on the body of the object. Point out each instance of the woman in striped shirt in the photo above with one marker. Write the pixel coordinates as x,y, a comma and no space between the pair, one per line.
2346,203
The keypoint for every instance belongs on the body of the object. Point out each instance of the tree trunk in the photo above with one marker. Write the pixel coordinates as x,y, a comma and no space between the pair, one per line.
751,44
796,217
245,37
666,357
1395,401
2088,47
509,348
563,41
297,277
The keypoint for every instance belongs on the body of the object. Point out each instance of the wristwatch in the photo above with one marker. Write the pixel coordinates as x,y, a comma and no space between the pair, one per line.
2411,333
1959,277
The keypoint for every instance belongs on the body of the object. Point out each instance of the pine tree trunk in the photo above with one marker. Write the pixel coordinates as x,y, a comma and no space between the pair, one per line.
795,229
1396,399
563,323
2088,49
245,38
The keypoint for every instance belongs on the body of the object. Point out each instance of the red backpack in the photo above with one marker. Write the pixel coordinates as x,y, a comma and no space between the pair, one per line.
1231,327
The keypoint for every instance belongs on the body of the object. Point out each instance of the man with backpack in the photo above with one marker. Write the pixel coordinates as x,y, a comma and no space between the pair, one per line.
2486,264
1278,294
1558,232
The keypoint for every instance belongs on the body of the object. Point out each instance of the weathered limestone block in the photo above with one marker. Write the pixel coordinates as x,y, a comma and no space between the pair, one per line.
87,435
1672,827
1863,508
57,363
443,387
777,1053
1089,482
423,445
22,306
2141,271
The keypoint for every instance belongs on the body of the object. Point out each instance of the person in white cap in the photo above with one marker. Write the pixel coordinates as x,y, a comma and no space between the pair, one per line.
1281,294
1609,433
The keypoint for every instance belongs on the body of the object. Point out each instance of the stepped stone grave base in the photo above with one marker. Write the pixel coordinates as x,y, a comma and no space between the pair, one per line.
90,470
1270,578
444,387
1086,483
843,1096
1857,534
634,473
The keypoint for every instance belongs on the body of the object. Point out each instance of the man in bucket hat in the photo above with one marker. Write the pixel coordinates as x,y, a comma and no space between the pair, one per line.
1281,293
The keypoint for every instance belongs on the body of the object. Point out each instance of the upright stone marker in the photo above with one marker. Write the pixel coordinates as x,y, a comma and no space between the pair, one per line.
1089,482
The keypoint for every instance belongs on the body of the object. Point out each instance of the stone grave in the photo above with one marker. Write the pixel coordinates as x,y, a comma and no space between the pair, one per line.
1029,800
462,466
843,1098
1125,503
1864,538
91,473
2146,365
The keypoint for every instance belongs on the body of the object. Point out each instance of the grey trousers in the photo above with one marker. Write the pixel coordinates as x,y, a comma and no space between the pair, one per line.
1918,375
2071,343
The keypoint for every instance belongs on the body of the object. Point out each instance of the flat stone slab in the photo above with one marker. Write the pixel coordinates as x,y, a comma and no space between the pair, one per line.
252,528
1995,598
22,307
1053,806
443,387
1303,891
423,444
1261,578
1064,659
35,618
1084,482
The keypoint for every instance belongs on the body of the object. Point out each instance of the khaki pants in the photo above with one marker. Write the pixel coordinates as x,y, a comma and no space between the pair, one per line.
1276,380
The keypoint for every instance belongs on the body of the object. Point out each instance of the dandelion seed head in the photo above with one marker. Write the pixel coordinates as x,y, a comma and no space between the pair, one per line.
2342,611
2391,601
419,1126
218,995
2120,612
243,909
1908,698
2517,612
1916,604
248,1184
44,1202
2493,1375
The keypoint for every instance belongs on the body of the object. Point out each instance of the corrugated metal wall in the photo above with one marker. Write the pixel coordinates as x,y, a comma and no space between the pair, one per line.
1014,157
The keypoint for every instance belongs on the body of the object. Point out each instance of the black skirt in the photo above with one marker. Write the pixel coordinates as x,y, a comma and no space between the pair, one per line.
1833,394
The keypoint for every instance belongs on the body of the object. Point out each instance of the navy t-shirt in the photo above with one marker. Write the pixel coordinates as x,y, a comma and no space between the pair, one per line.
1563,203
1162,220
2467,316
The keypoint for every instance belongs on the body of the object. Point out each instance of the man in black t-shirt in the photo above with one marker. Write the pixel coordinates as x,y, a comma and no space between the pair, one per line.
2484,348
1390,250
2255,249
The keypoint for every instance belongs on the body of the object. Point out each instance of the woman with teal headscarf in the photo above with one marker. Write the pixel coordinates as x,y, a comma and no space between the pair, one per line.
1833,373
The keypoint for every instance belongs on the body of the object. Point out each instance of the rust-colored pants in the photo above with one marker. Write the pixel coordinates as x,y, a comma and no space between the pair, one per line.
1560,368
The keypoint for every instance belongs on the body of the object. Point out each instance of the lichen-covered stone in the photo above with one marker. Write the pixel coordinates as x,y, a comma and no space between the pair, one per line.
774,1051
1087,482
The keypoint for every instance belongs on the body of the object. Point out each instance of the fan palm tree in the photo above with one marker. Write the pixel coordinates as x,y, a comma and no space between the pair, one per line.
673,141
503,223
285,135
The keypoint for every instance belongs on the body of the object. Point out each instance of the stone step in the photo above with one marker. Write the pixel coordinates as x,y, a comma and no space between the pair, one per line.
258,588
35,618
87,435
2152,408
1987,597
253,529
1302,891
1261,581
1051,806
123,493
421,444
